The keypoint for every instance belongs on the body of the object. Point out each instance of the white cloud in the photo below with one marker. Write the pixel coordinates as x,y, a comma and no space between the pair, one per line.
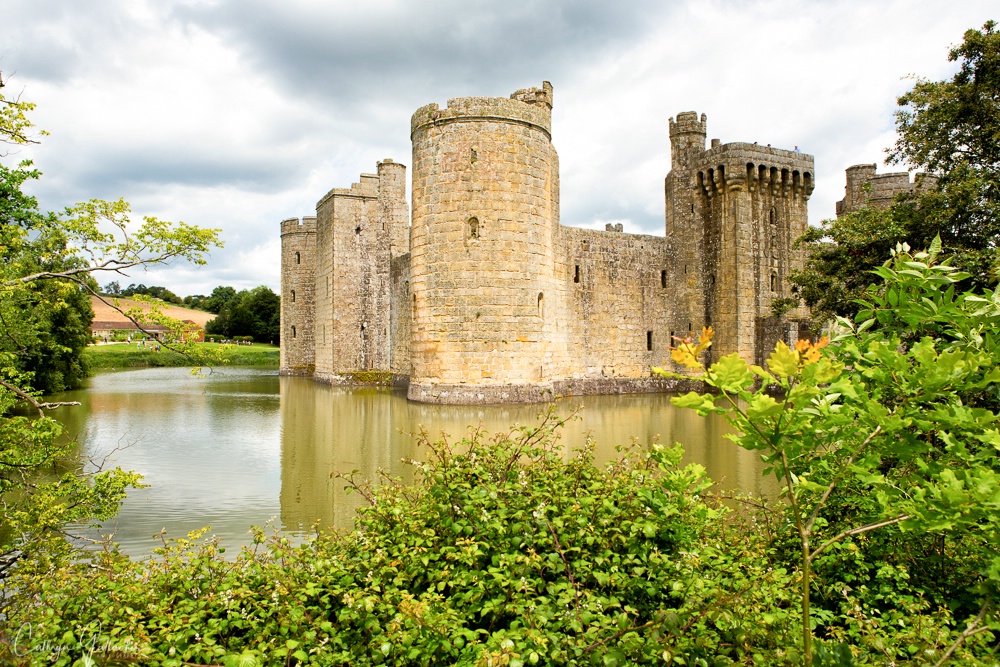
237,115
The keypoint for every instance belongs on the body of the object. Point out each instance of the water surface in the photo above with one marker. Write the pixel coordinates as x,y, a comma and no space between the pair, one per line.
242,447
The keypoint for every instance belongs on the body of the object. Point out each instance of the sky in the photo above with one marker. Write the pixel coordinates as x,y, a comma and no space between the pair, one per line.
237,114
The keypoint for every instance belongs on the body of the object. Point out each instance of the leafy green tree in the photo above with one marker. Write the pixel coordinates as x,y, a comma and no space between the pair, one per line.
219,299
255,313
881,432
155,291
949,129
46,278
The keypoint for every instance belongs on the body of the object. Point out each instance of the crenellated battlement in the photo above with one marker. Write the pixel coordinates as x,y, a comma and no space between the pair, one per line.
759,168
536,96
866,187
688,123
366,188
307,225
528,106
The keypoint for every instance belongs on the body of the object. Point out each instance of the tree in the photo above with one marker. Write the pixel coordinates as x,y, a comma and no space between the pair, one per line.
256,313
949,129
880,433
219,298
46,278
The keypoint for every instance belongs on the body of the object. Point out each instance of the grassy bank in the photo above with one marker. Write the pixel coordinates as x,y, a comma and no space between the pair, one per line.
117,357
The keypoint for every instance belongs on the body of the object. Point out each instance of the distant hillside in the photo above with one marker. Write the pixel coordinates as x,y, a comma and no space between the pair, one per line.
105,313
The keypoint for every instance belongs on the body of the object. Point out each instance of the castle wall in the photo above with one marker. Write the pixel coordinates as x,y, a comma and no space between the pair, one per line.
489,322
298,314
400,319
618,303
358,229
867,188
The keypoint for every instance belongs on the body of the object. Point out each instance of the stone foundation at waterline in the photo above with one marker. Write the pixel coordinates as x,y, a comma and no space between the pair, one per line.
476,293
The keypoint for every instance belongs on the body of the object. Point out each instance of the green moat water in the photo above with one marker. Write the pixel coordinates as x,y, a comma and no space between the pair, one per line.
241,447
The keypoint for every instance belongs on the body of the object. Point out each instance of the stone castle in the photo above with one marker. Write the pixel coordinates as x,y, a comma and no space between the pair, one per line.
475,293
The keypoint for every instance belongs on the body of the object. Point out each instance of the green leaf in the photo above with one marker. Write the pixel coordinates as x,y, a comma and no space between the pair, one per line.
730,373
784,361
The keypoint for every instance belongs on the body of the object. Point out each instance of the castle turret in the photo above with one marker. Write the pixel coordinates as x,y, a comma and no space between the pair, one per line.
684,229
359,230
687,139
485,215
298,263
393,208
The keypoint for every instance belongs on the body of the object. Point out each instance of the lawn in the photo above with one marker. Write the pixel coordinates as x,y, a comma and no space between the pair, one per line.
116,356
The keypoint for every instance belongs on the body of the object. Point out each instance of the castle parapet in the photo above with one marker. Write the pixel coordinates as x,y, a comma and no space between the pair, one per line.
306,225
865,187
529,106
739,166
688,123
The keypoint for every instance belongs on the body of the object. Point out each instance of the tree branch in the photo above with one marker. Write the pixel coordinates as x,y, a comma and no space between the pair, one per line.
968,632
858,531
34,402
833,483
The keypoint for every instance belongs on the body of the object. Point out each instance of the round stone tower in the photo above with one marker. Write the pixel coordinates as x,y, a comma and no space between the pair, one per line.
298,311
485,302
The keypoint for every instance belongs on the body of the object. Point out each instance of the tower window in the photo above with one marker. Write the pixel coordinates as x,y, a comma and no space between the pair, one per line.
541,305
298,258
357,230
649,341
774,282
473,228
576,273
293,296
293,332
663,278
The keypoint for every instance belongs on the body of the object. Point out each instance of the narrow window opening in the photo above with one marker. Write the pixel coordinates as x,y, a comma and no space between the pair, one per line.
663,278
576,274
649,341
473,228
689,326
293,332
293,296
685,269
541,305
298,258
357,230
671,341
774,282
692,207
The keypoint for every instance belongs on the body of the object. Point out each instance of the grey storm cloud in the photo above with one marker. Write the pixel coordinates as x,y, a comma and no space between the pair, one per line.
239,113
333,52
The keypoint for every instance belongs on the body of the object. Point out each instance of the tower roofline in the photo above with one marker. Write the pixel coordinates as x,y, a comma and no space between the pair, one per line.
528,106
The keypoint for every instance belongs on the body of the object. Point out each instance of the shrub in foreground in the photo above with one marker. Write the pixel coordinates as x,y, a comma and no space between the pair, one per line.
505,553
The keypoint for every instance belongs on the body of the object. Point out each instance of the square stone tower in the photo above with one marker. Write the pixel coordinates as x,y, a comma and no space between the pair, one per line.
734,212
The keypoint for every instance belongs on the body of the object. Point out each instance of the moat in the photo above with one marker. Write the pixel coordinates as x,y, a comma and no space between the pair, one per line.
242,447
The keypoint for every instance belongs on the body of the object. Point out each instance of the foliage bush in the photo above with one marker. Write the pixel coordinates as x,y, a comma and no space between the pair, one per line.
505,552
886,446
